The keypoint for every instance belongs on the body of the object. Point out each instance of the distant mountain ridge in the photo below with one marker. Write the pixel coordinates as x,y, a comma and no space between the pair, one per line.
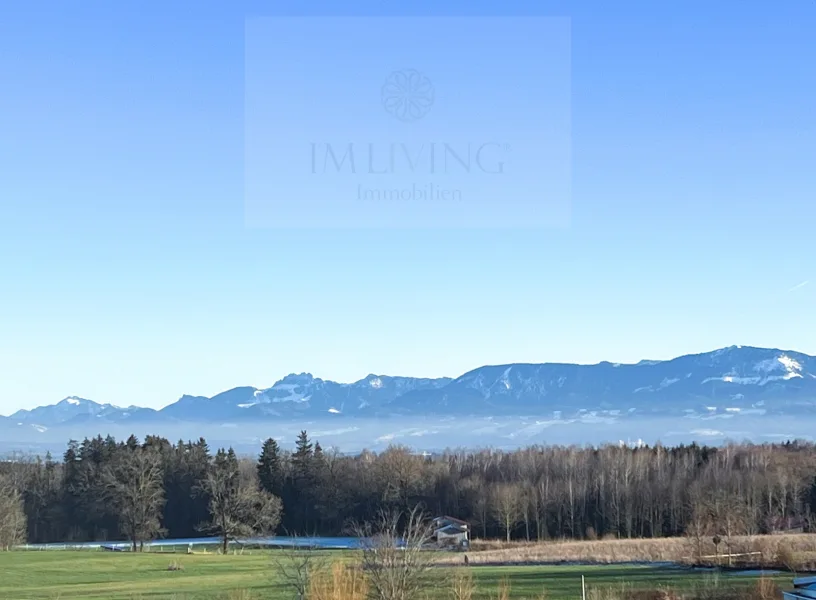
737,379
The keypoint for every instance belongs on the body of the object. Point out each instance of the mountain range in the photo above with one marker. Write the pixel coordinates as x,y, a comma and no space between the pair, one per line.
733,380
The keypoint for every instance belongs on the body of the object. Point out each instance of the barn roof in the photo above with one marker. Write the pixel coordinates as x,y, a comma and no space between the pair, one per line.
452,520
452,530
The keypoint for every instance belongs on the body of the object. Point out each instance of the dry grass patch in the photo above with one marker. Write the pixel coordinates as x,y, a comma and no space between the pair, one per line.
795,552
462,586
712,588
340,582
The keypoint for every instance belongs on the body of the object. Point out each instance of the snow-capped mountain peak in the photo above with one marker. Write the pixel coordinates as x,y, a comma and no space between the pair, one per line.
77,401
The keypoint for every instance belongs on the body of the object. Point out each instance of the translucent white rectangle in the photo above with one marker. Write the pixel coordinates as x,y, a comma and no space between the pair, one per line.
407,122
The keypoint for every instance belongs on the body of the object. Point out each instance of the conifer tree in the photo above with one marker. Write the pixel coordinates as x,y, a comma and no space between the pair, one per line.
270,469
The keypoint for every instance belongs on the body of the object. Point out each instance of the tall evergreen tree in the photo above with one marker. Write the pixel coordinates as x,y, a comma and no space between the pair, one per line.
270,468
299,500
303,452
71,489
187,501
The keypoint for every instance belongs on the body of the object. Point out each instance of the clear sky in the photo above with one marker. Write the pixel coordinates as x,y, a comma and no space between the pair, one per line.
130,273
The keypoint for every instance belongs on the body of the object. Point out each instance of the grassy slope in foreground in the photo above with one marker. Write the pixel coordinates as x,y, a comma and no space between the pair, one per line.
85,574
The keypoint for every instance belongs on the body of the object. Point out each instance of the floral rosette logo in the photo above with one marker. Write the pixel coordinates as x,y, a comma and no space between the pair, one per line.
407,95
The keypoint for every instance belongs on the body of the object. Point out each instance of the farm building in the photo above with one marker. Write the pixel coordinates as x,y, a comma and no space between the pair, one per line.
449,531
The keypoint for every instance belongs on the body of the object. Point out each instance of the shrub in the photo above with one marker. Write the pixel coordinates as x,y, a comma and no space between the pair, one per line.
503,593
340,582
764,589
462,586
175,566
785,558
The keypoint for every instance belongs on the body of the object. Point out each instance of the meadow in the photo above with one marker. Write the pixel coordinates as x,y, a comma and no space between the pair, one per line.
94,574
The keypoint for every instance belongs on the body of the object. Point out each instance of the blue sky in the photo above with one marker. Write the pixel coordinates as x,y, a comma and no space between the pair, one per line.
131,275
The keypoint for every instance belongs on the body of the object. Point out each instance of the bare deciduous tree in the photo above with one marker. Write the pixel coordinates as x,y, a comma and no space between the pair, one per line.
699,524
297,564
12,516
135,486
237,507
394,555
505,500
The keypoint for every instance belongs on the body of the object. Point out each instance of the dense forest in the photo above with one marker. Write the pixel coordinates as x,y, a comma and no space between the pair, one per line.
102,489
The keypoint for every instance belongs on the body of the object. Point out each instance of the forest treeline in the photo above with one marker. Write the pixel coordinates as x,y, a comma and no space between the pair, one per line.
102,489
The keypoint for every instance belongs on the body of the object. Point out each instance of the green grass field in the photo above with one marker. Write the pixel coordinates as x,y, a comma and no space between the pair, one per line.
86,574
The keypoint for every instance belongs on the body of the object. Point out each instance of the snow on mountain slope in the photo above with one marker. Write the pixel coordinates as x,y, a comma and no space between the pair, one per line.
76,409
733,380
735,377
297,395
